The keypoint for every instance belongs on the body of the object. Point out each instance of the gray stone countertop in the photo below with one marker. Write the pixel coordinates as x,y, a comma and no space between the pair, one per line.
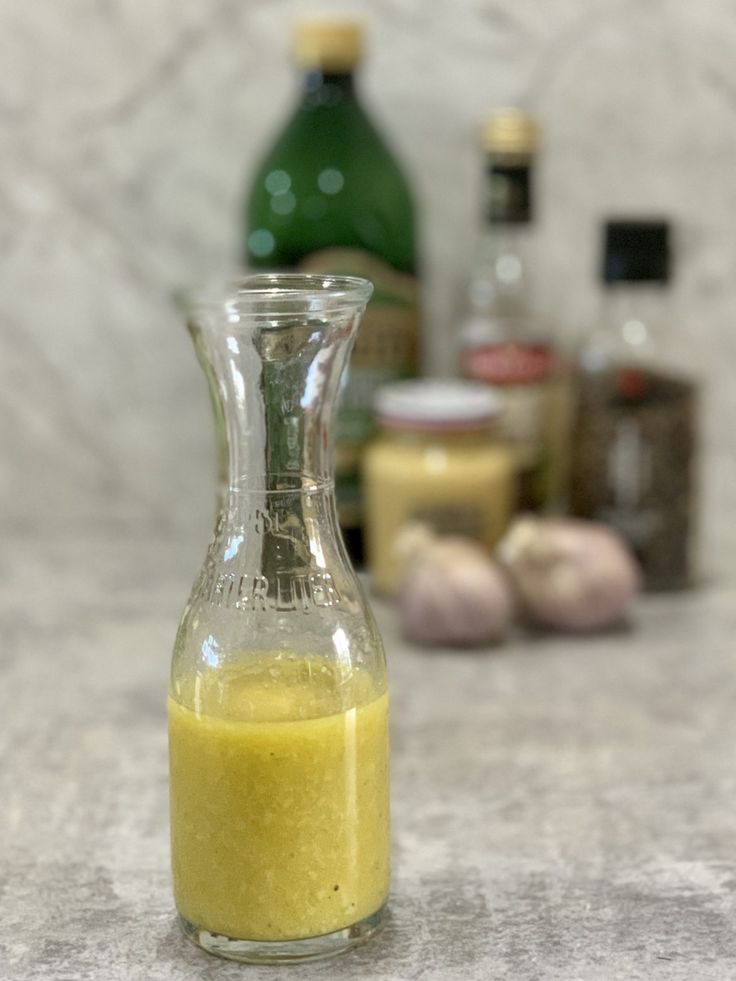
562,809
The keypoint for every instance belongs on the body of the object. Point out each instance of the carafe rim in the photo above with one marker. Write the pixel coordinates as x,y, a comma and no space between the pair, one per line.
277,293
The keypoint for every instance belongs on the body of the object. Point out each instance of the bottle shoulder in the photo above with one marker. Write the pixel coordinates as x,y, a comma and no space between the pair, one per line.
499,302
306,610
494,316
624,333
330,182
339,138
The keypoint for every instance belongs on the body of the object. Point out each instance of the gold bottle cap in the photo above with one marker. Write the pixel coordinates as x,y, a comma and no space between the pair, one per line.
511,131
332,45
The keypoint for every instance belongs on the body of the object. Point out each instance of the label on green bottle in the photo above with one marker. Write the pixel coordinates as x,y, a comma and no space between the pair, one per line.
385,351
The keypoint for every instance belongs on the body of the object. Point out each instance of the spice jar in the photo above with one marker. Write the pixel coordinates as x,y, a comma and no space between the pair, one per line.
635,431
436,461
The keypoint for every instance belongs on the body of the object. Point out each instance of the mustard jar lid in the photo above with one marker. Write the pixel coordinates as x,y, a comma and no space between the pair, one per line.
436,405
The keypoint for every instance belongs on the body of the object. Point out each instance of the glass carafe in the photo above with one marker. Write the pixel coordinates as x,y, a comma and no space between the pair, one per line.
278,700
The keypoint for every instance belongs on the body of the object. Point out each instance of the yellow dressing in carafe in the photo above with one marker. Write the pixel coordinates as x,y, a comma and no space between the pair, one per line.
279,798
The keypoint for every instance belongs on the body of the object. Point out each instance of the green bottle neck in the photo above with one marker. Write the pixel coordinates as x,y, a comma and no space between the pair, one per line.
322,89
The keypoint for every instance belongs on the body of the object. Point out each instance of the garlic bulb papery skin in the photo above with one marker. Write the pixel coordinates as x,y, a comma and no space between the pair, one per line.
414,538
453,594
569,575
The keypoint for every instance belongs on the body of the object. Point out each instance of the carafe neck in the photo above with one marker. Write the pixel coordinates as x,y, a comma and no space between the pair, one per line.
274,361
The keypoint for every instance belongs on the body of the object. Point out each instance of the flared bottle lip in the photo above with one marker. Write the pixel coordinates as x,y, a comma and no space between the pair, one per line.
276,293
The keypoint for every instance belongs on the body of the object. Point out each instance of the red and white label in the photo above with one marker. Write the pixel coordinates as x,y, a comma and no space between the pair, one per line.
509,364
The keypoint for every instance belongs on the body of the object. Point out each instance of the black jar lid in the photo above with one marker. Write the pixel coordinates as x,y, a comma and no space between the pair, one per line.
636,251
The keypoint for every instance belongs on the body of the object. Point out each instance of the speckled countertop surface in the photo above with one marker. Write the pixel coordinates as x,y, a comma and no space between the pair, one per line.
562,809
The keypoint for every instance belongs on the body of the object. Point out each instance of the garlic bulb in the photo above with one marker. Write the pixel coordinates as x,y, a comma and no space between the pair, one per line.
569,574
452,593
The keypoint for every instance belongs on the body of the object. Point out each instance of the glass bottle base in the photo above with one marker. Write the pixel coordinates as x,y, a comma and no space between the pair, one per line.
284,951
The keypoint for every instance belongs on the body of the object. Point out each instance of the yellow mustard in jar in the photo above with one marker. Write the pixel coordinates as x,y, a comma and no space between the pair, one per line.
435,461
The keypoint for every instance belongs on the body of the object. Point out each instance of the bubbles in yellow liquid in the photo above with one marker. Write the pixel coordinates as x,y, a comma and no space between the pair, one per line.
279,799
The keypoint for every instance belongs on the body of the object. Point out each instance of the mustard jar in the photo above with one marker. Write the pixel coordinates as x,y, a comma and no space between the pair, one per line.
435,461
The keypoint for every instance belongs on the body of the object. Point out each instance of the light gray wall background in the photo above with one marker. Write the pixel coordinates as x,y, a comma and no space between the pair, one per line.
129,131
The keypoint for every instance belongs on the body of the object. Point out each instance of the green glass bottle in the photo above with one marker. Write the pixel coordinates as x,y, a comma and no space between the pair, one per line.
329,197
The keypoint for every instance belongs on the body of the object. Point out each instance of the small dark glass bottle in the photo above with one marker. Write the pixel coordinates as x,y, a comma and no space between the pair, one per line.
635,430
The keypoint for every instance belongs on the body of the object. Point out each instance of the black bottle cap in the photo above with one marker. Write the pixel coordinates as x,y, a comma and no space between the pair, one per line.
636,252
